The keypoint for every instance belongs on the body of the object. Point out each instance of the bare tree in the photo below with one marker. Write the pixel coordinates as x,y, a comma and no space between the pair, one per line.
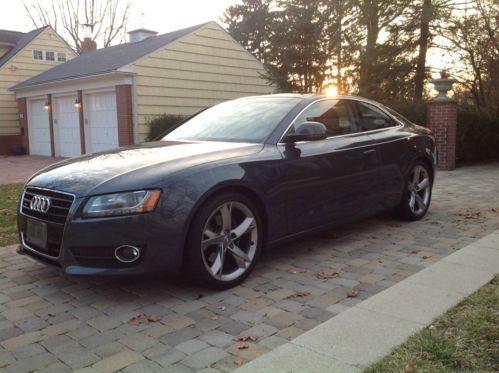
106,18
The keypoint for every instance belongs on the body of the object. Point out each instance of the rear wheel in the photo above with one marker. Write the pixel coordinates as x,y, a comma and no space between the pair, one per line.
224,241
417,193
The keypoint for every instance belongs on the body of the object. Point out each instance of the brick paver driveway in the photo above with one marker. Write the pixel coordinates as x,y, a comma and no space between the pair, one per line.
53,322
20,168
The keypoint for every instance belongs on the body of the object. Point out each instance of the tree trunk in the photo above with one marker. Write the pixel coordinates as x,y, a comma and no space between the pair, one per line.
424,37
369,56
339,31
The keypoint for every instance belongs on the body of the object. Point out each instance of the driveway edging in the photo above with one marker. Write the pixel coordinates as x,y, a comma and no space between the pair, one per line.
359,336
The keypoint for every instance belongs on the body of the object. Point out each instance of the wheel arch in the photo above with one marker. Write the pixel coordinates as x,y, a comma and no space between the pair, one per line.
224,188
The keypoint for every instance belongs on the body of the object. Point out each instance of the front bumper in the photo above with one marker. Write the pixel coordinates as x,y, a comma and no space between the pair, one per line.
87,245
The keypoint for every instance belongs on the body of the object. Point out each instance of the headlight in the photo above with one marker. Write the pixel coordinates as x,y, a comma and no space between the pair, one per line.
126,203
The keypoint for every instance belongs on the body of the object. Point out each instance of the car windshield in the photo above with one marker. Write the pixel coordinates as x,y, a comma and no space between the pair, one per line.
243,120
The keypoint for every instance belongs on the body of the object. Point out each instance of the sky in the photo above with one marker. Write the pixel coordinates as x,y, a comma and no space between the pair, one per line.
158,15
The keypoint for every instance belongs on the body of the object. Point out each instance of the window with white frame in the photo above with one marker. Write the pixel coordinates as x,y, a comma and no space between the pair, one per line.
49,56
37,54
61,57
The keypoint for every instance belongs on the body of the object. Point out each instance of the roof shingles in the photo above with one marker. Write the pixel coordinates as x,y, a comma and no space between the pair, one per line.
105,60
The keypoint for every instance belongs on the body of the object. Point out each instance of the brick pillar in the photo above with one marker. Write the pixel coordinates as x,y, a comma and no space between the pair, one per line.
81,120
442,121
51,124
23,123
125,114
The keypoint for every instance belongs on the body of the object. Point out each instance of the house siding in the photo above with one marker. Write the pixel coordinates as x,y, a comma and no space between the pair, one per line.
199,70
22,67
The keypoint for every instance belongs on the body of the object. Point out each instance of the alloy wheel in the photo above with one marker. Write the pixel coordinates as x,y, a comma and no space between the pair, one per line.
419,190
229,241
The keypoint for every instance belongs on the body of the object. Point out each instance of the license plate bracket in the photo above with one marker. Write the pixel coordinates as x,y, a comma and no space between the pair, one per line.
36,233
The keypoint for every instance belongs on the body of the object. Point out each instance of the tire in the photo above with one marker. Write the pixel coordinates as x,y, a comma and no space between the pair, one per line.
416,196
219,257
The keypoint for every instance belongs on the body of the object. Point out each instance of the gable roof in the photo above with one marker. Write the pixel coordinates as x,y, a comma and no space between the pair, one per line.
106,60
10,37
22,41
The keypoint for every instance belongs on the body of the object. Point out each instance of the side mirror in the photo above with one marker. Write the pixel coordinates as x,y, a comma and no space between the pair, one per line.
307,131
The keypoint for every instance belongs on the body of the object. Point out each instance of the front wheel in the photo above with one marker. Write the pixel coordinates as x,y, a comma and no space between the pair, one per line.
224,241
417,193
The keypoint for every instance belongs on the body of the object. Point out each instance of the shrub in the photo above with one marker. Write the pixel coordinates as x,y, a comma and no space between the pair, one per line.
477,136
162,124
414,111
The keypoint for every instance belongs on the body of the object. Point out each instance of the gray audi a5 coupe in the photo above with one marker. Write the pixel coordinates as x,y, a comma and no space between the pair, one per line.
241,176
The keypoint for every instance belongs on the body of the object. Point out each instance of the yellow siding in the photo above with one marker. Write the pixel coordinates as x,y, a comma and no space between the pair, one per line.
22,67
200,70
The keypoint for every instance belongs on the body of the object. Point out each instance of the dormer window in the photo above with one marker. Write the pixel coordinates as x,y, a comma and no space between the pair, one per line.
37,54
50,56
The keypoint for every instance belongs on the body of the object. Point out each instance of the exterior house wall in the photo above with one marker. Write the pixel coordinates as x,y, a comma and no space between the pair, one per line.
21,67
199,70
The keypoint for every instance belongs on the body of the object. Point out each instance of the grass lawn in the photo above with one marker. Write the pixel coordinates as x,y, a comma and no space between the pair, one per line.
9,196
465,339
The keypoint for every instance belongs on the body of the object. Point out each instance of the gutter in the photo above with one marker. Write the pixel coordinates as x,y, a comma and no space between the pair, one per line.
70,79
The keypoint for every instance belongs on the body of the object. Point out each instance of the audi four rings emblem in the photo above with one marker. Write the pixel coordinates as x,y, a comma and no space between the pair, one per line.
40,203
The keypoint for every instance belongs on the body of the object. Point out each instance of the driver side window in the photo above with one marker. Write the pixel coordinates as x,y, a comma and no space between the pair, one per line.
336,115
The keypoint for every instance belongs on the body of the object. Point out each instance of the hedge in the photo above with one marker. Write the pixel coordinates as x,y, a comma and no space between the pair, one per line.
162,124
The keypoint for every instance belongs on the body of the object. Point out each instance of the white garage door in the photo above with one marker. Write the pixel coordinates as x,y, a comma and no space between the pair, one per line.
101,123
66,127
38,128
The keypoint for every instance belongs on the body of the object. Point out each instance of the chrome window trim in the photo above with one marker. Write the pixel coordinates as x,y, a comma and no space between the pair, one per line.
399,125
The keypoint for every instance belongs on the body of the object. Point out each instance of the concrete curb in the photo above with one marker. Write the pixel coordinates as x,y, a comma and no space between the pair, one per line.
361,335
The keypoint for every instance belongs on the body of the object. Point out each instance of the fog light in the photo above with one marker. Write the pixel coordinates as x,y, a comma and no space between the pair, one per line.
127,253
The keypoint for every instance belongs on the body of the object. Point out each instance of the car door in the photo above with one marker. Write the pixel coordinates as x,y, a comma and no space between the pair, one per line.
392,148
329,181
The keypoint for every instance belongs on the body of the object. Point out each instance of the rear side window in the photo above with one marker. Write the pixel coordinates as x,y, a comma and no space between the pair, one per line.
372,118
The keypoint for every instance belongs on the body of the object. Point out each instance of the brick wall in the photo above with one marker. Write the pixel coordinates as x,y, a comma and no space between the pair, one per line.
442,121
125,114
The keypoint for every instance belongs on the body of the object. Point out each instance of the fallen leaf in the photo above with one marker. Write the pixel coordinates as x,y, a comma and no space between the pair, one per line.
242,346
449,332
431,327
296,271
409,368
300,294
426,256
214,317
222,308
394,225
352,293
238,360
143,319
246,337
325,275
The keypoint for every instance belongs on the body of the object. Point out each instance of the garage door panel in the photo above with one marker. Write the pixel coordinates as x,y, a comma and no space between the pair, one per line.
38,128
67,127
101,126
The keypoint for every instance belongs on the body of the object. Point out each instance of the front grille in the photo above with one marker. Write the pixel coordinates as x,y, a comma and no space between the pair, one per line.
59,206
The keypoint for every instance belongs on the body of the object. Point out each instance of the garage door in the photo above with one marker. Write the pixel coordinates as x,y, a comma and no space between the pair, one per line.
101,123
38,128
66,127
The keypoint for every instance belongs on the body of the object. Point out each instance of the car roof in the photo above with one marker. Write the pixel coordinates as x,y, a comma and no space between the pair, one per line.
310,97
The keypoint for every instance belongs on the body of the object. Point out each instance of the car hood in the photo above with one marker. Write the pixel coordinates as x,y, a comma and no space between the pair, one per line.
131,167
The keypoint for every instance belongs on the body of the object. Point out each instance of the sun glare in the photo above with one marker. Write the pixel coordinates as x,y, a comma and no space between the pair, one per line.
331,90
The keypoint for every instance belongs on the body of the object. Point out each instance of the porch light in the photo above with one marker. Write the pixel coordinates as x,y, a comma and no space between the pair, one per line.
47,105
77,104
